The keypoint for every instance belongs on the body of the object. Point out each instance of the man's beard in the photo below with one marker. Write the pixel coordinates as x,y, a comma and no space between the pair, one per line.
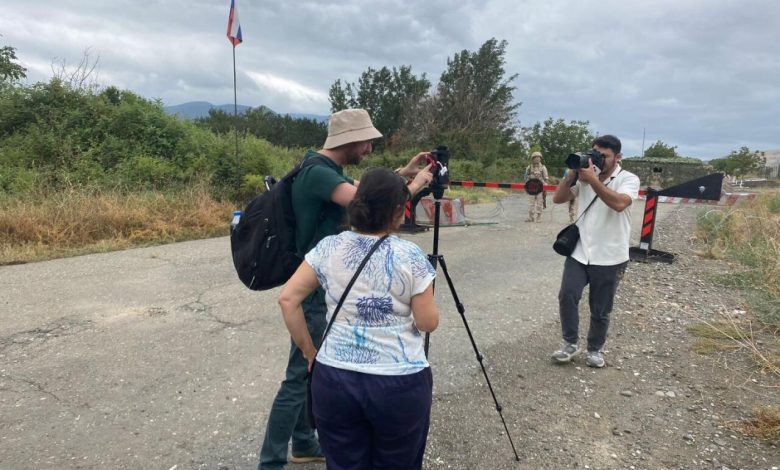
352,158
353,155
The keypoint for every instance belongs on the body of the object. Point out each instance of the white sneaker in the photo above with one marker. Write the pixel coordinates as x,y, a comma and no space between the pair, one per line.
567,351
595,359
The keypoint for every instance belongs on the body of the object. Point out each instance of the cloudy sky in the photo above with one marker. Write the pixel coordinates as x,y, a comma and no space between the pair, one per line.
703,75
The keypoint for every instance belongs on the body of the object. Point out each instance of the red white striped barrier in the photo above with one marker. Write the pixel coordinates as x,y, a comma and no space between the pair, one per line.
482,184
727,199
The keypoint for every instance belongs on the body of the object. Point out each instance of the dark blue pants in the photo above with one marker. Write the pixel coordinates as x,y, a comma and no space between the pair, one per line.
288,417
603,282
367,421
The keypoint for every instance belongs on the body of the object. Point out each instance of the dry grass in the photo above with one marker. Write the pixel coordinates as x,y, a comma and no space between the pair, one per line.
711,346
719,330
78,222
717,336
477,195
729,335
764,424
750,234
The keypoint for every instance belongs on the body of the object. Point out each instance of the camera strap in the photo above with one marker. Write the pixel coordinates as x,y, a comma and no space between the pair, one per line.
595,197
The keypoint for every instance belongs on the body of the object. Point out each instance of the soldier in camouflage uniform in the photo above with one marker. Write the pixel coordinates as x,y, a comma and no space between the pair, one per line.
538,171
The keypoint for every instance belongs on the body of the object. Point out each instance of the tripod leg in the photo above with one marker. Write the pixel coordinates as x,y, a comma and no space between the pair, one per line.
434,260
462,312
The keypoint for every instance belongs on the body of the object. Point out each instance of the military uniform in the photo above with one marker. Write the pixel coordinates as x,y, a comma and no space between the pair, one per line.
538,171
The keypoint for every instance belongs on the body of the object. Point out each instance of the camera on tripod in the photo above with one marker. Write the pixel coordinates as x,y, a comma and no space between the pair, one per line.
575,161
439,158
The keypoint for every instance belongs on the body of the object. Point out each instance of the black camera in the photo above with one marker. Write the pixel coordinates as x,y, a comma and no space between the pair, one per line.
439,159
575,161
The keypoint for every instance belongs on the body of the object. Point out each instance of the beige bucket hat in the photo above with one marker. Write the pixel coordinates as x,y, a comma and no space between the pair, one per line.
349,125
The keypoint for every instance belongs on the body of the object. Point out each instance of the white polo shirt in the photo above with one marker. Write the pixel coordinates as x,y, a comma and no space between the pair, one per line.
605,232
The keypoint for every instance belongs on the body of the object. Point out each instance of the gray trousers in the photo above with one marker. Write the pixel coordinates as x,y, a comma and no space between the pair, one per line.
287,418
603,282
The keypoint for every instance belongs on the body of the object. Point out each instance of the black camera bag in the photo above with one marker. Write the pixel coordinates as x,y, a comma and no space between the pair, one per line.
566,240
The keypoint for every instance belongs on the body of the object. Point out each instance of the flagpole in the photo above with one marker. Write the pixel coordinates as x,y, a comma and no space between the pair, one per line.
235,125
234,36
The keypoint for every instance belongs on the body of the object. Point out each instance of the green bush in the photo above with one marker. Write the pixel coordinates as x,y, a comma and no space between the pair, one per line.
147,172
773,203
87,172
253,184
24,181
714,225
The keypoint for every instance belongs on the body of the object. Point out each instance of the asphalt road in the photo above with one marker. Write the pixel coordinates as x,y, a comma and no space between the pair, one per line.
160,358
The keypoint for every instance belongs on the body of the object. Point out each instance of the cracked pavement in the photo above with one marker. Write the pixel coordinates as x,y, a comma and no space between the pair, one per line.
159,357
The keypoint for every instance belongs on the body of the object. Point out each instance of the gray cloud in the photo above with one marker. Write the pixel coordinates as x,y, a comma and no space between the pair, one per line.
700,74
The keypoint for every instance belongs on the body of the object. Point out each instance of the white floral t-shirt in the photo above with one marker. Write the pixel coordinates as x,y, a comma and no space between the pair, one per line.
374,331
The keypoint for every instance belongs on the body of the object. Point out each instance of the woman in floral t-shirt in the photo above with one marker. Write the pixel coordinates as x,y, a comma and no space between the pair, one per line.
372,386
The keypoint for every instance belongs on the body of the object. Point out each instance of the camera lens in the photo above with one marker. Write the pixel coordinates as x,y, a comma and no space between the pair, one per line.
575,161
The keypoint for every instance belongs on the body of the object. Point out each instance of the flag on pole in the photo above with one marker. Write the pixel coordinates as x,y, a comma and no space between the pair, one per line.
233,26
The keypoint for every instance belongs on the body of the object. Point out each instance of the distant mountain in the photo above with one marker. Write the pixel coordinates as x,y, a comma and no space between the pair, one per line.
314,117
199,109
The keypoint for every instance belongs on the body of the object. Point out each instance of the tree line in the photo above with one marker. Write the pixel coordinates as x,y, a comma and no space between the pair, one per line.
70,132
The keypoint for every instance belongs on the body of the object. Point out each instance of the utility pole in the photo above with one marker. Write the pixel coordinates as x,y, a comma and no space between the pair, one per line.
643,142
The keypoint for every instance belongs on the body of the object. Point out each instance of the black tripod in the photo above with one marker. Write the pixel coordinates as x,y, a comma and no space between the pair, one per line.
436,259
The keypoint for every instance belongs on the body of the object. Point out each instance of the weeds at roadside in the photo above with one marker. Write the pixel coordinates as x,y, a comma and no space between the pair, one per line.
706,346
719,330
730,335
764,424
80,222
740,280
748,236
476,195
718,336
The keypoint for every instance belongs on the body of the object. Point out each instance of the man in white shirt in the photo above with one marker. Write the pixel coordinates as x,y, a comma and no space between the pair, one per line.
601,255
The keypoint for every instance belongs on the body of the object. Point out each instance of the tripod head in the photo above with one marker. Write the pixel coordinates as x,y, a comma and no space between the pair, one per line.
439,159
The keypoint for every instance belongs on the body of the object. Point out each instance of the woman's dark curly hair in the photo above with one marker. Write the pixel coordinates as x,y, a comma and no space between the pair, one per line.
379,195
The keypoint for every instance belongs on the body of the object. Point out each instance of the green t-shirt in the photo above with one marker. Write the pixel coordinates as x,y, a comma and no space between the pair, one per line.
316,216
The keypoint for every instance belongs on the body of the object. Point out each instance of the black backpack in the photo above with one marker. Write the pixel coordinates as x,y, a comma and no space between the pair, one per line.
263,241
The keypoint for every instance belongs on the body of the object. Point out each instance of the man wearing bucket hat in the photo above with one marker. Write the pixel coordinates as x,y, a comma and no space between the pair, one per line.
320,194
536,171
